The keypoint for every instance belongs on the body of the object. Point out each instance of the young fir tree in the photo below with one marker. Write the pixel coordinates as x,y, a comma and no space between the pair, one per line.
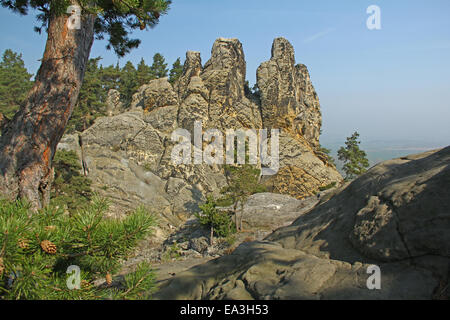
110,77
91,100
128,83
176,71
243,181
14,83
159,66
355,160
220,223
143,73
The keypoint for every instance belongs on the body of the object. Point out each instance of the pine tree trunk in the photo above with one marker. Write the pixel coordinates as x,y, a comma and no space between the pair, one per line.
28,142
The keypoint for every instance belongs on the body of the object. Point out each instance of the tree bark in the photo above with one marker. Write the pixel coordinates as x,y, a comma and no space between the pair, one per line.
28,142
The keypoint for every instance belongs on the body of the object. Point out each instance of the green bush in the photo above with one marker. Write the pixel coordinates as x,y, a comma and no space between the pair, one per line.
328,186
36,250
220,223
243,181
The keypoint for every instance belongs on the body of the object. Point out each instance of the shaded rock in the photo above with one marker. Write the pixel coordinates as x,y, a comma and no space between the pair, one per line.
199,244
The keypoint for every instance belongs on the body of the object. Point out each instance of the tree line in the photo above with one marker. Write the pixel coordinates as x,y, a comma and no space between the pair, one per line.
16,81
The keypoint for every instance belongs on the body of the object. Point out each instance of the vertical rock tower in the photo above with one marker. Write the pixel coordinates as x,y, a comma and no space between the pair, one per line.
288,98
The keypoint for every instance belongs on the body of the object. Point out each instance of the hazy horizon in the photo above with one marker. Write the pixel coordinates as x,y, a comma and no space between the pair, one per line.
389,84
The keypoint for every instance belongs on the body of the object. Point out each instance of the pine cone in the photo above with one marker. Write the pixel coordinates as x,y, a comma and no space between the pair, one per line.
108,279
48,247
23,243
85,284
2,266
50,228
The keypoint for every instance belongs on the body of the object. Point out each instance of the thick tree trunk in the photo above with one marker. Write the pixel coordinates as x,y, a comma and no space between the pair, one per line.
28,142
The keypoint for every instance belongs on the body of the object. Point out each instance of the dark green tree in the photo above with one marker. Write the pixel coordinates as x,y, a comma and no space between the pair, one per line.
159,66
28,142
14,83
220,223
128,83
91,100
243,181
176,71
110,77
143,73
355,160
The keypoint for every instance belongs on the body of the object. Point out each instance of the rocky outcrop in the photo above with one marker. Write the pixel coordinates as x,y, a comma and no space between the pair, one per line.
113,104
129,154
396,216
288,99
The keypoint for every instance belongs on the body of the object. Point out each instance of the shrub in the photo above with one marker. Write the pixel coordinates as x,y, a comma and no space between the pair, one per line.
328,186
220,223
36,250
355,160
243,181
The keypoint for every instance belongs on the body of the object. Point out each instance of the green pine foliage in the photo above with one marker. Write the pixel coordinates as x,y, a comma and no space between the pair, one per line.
15,82
70,188
220,222
91,100
97,245
115,20
355,160
128,83
159,67
243,181
110,77
327,153
143,73
176,71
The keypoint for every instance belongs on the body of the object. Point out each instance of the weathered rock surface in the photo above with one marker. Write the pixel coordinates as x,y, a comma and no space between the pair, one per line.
113,104
129,154
396,216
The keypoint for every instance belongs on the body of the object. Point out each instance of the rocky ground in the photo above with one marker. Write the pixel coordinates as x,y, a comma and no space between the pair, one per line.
189,245
396,216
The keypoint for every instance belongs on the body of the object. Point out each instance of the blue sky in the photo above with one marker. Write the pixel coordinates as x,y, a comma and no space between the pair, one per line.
392,83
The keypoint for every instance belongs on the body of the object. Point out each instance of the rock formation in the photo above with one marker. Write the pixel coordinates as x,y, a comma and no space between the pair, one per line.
129,154
113,104
396,216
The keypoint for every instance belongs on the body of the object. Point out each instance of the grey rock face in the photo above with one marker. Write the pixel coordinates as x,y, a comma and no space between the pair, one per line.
396,216
129,154
288,99
113,104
